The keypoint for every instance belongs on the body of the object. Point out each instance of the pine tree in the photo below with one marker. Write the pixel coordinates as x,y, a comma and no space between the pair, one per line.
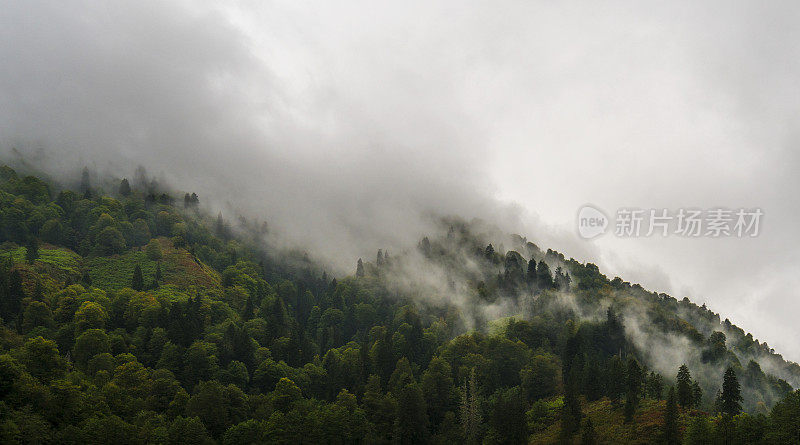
471,410
615,385
156,276
731,394
379,259
220,228
717,408
137,282
684,387
530,274
360,268
85,181
671,420
543,276
697,394
633,383
655,386
124,187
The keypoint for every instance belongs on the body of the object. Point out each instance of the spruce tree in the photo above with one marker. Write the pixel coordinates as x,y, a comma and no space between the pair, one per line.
731,399
470,410
615,383
684,387
543,276
697,394
489,252
220,228
360,268
86,183
633,383
156,276
530,274
379,259
137,282
671,420
124,187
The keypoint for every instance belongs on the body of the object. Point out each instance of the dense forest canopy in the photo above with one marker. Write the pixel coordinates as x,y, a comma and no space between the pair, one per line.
130,314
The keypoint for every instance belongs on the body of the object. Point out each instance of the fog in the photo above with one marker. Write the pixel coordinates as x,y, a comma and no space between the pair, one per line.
349,126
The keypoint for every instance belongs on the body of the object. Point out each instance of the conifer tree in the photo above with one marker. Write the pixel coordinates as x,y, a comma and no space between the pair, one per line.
530,274
360,268
697,394
220,227
543,276
379,259
633,383
85,181
137,282
684,387
671,420
489,252
731,397
124,187
470,410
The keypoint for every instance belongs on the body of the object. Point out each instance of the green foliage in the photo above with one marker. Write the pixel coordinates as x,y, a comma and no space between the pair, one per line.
684,387
731,393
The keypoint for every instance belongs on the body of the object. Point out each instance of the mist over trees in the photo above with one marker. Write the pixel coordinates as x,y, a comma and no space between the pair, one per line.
129,316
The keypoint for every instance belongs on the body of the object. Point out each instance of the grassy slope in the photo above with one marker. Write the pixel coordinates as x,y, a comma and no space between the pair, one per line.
178,267
610,427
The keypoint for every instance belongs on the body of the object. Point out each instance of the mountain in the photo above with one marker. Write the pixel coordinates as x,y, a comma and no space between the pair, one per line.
132,315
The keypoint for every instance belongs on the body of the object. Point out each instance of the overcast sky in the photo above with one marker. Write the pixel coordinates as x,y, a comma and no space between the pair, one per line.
342,123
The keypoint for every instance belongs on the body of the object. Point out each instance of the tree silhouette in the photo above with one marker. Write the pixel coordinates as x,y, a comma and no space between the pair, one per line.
731,393
684,387
124,187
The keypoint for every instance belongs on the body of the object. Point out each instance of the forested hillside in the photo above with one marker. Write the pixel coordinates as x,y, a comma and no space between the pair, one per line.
131,315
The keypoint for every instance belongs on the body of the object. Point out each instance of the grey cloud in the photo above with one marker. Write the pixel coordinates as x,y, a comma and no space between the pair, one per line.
345,124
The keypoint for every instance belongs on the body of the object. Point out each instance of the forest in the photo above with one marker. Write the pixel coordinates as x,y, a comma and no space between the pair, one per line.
134,314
